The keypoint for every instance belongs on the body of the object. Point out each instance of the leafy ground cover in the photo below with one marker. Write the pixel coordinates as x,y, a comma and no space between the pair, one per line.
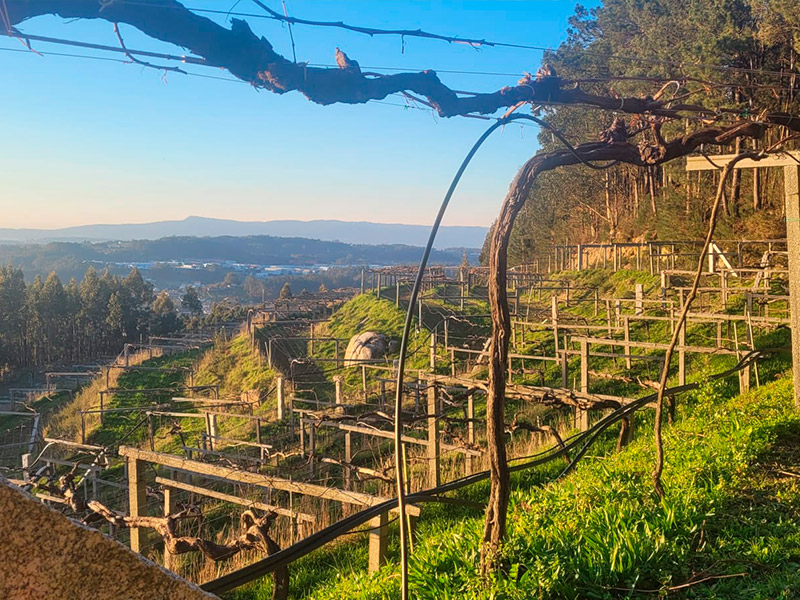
728,528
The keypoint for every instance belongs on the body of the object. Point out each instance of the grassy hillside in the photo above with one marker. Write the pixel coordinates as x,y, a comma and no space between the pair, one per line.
731,518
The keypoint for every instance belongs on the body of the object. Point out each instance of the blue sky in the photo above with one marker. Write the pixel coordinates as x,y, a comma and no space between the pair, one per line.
90,141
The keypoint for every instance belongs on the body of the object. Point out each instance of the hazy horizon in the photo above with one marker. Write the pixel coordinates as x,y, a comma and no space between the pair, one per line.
130,145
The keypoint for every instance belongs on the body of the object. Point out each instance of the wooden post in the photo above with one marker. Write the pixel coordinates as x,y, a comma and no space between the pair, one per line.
169,502
564,368
312,450
337,385
26,466
583,415
433,350
433,437
470,432
554,318
348,457
580,257
397,293
137,499
626,323
151,433
378,541
281,394
639,302
364,380
791,178
723,277
363,280
682,355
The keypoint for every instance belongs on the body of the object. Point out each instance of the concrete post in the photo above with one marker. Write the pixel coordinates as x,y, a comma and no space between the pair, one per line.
791,178
378,541
433,437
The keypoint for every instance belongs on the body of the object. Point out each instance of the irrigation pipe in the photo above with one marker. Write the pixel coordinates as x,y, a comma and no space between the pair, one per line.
398,402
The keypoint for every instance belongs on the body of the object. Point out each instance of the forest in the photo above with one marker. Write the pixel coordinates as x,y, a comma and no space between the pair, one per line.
736,56
46,322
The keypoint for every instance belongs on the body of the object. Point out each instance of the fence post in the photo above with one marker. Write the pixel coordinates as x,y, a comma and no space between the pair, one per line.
627,325
470,432
554,318
26,466
348,457
639,303
583,415
580,257
168,508
337,384
682,355
564,368
378,541
280,390
137,499
433,437
433,350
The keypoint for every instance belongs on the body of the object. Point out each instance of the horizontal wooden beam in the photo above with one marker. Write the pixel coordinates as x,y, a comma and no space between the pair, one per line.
257,479
201,491
783,159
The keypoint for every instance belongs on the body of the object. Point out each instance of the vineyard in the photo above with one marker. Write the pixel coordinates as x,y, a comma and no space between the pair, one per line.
274,417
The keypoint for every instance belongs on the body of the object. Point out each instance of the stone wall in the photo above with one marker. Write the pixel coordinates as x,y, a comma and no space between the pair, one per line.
46,556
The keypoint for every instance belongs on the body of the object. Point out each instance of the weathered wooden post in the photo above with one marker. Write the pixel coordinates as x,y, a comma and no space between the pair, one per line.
363,280
470,459
280,390
433,436
682,355
582,416
137,499
626,323
788,160
564,368
554,318
348,458
169,507
639,302
580,257
312,449
337,385
433,350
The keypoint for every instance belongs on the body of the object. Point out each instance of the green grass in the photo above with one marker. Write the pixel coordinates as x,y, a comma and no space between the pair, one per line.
601,533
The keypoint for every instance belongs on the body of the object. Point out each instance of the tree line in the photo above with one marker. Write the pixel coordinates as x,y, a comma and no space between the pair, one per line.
739,55
46,322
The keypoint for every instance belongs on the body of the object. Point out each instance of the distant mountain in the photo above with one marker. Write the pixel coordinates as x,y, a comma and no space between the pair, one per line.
350,232
214,255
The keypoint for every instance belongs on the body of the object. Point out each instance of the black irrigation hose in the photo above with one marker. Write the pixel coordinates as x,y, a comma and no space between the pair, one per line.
398,425
288,555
